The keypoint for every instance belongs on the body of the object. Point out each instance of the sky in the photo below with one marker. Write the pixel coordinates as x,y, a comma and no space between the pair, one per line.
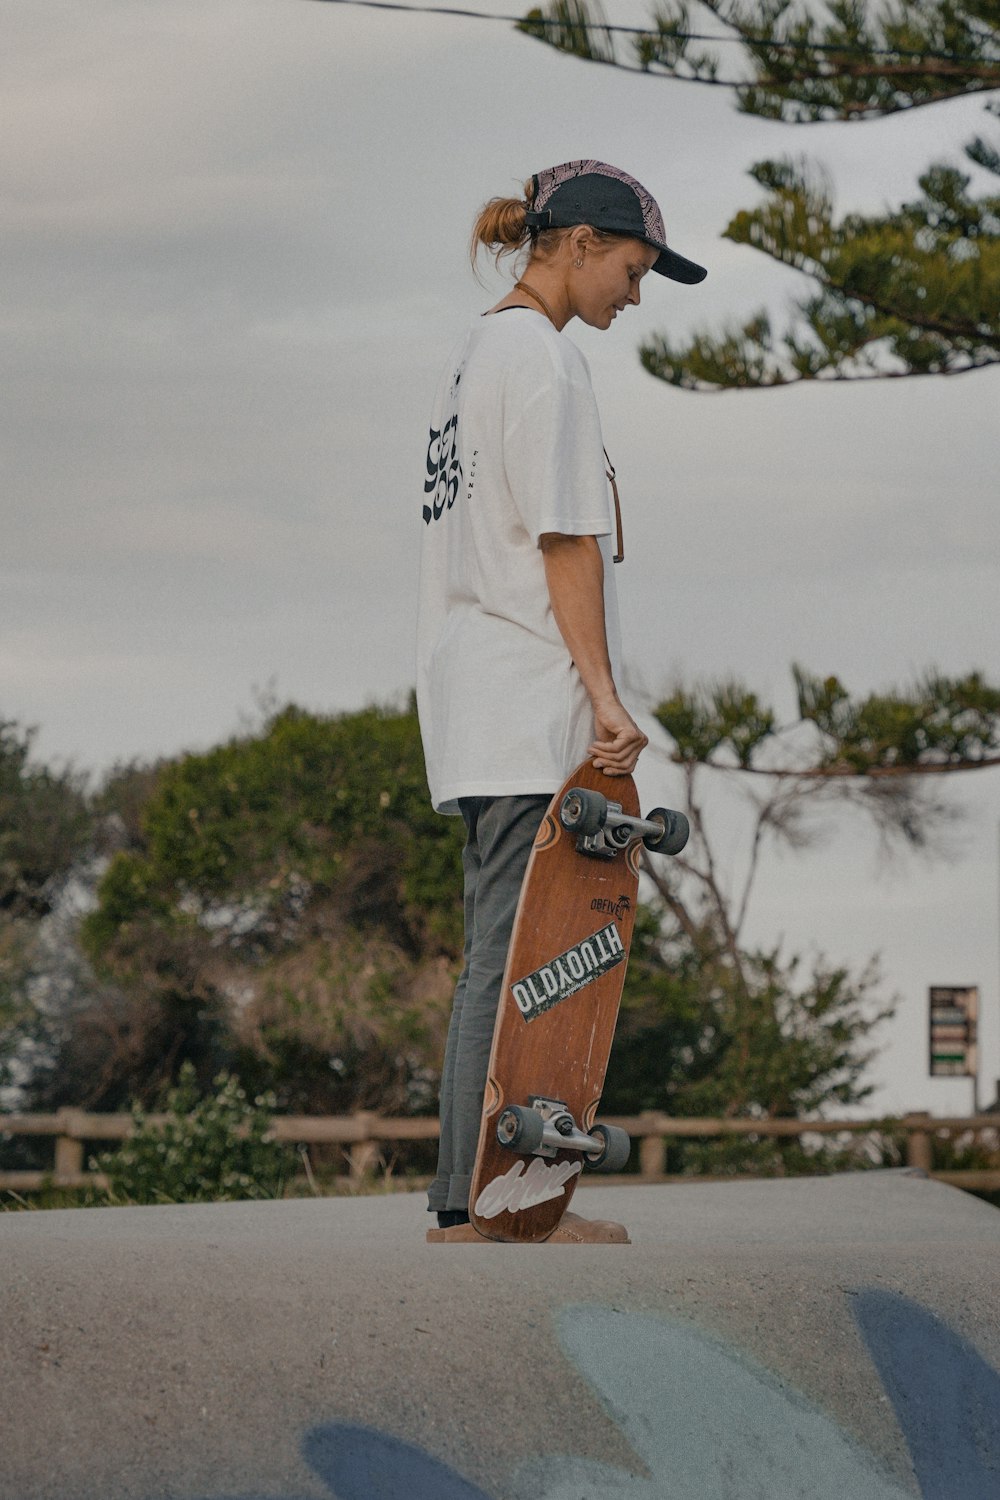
234,260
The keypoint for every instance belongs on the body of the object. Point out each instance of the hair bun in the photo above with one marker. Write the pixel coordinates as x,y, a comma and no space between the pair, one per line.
501,226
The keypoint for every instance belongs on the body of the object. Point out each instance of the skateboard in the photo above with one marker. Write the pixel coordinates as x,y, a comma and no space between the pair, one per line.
559,1006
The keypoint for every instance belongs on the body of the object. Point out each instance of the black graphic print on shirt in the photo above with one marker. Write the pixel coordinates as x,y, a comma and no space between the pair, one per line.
444,471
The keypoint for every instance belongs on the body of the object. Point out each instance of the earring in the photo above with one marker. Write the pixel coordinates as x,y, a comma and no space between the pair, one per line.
578,263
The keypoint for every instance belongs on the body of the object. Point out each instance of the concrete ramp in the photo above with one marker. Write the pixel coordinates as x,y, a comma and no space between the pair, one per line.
830,1339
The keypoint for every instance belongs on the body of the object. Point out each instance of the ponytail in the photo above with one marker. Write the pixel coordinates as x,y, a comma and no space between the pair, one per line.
502,226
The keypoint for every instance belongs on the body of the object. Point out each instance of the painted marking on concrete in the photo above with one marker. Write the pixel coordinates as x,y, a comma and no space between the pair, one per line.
706,1422
946,1397
361,1463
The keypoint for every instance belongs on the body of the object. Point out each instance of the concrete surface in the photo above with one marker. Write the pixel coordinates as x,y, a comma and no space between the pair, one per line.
833,1338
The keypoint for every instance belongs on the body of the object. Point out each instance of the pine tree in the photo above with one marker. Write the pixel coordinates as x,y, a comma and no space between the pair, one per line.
713,1025
914,292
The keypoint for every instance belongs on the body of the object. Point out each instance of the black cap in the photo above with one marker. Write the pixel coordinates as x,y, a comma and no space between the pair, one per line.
591,192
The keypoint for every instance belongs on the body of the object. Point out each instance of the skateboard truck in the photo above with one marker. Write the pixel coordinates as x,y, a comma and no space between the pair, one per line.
603,830
547,1126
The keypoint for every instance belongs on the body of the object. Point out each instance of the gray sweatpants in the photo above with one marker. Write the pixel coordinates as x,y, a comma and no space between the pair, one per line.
499,834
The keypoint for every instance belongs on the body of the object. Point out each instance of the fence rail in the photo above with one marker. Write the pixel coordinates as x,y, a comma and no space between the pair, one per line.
364,1136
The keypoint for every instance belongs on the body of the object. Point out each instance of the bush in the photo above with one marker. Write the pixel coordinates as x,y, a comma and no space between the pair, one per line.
209,1150
287,907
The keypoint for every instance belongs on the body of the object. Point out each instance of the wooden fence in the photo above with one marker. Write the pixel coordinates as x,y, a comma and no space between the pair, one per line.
364,1137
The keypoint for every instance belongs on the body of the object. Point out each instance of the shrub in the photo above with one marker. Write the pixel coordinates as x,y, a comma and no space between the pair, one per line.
209,1150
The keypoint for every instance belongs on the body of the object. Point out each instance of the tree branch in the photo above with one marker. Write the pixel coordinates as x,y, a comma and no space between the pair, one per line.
839,770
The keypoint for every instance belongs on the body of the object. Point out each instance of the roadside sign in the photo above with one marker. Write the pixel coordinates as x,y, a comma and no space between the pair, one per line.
954,1013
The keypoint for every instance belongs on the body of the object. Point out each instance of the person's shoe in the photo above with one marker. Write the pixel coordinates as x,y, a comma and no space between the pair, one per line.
458,1234
571,1230
574,1230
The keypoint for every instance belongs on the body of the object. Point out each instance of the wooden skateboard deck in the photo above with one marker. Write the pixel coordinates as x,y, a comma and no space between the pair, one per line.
557,1013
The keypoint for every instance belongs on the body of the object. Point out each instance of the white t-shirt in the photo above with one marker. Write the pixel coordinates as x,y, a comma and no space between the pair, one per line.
515,452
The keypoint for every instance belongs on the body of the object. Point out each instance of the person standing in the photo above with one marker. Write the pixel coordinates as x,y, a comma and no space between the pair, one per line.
518,651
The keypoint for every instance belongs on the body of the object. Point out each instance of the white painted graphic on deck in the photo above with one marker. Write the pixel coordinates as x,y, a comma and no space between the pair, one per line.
519,1189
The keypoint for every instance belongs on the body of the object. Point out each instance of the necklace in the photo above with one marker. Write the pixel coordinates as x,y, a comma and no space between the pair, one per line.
529,291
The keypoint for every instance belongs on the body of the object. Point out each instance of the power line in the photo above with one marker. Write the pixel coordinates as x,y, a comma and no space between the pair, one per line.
609,28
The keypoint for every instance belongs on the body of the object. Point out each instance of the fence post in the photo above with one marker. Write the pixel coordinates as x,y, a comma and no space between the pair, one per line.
364,1153
652,1151
69,1147
919,1153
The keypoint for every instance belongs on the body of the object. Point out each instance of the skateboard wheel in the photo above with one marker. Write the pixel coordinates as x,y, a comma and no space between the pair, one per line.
675,831
617,1148
583,811
520,1129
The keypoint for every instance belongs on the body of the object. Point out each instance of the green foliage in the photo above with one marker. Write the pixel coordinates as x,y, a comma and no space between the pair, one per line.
119,804
969,1153
210,1149
573,26
914,292
15,1011
879,753
44,825
703,1034
904,293
711,719
844,60
287,908
714,1027
332,804
939,722
861,60
288,904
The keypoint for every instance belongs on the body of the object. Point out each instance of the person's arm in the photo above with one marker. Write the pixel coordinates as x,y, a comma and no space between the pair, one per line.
574,572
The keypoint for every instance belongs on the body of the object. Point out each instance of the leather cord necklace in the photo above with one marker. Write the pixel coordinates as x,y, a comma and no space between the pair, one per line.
529,291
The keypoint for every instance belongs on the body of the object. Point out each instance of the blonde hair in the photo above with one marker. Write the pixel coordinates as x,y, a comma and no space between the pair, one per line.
502,226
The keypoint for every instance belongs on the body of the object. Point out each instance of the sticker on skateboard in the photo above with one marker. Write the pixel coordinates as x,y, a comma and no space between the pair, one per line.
565,975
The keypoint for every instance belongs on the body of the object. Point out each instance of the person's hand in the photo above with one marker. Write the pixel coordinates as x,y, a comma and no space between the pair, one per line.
618,740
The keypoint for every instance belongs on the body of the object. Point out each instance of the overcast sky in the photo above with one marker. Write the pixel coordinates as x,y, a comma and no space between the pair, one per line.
233,261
